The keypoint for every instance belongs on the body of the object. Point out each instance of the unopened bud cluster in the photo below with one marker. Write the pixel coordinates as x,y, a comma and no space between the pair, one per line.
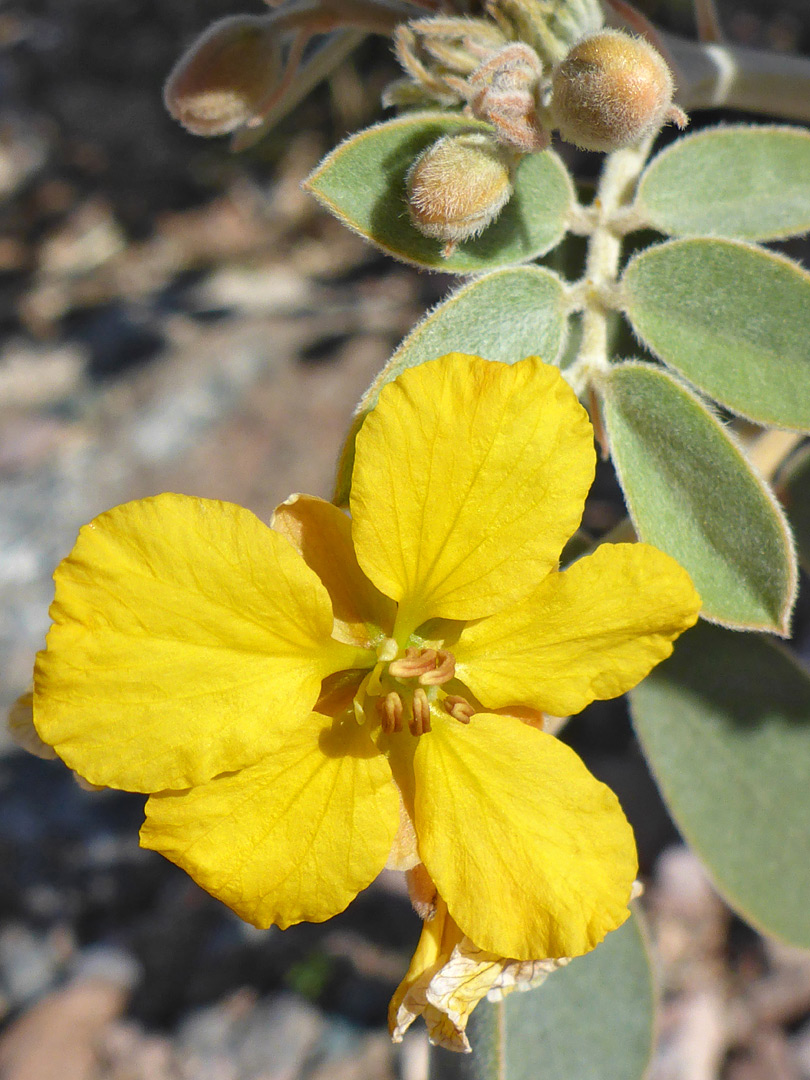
527,68
607,92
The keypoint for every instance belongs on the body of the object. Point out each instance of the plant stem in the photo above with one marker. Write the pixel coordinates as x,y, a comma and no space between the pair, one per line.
594,292
712,76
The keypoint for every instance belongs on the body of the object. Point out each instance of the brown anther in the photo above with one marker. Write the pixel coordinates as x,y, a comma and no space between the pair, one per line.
459,708
419,723
444,670
415,662
390,709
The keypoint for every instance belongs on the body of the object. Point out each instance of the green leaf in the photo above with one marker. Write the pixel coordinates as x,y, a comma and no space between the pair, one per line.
725,725
733,318
505,315
691,492
795,489
362,182
592,1020
749,183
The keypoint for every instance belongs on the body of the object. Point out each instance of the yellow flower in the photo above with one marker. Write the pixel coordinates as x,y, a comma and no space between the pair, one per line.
309,702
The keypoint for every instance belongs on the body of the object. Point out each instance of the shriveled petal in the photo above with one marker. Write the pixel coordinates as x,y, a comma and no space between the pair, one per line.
593,631
532,854
469,477
188,638
293,838
22,730
322,535
438,939
445,984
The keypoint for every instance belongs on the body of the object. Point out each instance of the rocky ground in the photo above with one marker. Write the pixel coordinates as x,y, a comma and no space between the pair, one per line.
174,318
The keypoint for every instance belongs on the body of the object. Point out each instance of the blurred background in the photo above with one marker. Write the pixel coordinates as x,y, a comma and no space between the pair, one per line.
175,317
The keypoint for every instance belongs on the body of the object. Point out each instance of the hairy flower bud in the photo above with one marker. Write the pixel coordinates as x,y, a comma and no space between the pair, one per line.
221,82
458,186
612,90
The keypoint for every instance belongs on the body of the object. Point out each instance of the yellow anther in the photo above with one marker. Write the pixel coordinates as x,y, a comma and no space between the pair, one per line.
442,672
459,708
419,723
390,709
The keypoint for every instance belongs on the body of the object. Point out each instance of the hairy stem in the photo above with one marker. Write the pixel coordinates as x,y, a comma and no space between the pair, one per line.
594,293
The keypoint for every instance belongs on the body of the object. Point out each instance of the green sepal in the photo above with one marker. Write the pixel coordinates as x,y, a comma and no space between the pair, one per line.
725,726
362,182
691,492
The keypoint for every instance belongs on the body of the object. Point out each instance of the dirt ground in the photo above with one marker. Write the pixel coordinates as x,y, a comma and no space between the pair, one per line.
177,318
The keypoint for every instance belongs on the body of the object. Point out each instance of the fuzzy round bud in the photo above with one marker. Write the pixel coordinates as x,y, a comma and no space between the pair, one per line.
221,82
612,90
458,186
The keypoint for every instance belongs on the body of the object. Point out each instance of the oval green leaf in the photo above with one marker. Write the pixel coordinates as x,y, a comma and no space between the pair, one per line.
794,488
732,318
362,182
592,1020
504,316
748,183
725,726
691,492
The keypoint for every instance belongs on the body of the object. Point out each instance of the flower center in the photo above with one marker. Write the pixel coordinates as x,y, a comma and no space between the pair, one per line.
405,689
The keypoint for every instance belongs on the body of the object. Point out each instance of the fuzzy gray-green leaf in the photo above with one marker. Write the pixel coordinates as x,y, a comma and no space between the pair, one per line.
748,183
592,1020
732,318
362,182
691,492
725,726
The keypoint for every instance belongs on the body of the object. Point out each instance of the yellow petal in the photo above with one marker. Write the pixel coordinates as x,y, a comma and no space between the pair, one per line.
188,637
447,978
532,854
469,477
292,838
593,631
322,535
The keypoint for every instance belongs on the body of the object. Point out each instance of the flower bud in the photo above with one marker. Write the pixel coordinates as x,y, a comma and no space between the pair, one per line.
219,85
458,186
612,90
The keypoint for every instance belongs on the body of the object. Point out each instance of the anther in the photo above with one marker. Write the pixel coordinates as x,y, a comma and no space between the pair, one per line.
444,670
419,723
459,708
415,662
390,709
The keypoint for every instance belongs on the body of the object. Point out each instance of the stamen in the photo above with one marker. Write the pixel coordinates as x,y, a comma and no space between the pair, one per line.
415,662
419,723
459,708
445,670
390,709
